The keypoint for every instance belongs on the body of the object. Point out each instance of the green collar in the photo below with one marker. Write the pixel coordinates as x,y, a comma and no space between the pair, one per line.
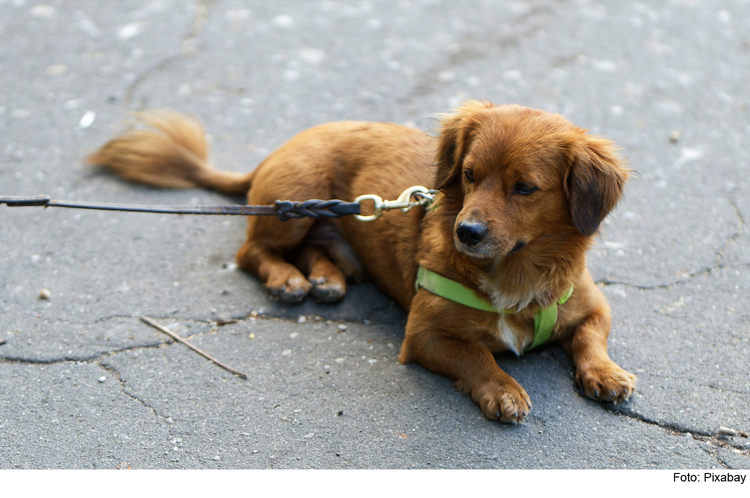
544,320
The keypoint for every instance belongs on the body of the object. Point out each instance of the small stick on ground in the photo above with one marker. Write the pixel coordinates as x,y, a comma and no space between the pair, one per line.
183,341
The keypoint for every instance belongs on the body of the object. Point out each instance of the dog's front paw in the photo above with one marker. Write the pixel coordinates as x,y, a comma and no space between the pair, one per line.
291,290
606,382
504,401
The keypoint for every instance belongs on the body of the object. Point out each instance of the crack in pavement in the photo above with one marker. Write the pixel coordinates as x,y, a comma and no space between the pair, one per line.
686,279
737,211
725,389
740,229
81,359
116,374
714,440
718,257
204,321
537,18
713,452
625,410
187,49
166,341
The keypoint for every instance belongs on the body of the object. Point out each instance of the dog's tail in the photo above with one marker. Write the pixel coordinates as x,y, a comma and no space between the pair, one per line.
167,149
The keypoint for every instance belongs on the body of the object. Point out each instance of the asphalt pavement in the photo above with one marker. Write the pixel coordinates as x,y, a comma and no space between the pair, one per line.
85,384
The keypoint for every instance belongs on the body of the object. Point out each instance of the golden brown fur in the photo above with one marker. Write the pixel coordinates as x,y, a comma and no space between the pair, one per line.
522,193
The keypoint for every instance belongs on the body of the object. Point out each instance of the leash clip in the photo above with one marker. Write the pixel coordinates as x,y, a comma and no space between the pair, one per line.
422,195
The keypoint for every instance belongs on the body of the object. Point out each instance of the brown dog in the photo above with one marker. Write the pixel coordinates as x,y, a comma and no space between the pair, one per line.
522,192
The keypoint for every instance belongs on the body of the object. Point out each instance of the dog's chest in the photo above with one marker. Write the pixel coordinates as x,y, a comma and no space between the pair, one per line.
509,329
511,334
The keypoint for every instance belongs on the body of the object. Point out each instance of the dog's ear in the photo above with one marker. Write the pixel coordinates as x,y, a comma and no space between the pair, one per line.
594,182
454,140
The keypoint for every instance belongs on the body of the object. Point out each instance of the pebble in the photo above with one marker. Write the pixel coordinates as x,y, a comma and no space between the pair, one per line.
102,379
283,21
130,31
56,70
44,294
42,10
87,120
302,319
312,56
674,136
342,327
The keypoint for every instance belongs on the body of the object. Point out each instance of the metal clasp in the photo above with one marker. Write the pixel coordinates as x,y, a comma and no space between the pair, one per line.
423,196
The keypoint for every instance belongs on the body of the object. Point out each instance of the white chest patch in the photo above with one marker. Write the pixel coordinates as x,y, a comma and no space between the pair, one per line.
514,339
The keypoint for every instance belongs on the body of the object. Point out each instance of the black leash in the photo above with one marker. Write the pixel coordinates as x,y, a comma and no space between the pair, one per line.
285,210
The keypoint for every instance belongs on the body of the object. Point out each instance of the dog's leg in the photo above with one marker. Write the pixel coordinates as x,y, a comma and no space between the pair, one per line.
470,366
329,282
600,377
268,239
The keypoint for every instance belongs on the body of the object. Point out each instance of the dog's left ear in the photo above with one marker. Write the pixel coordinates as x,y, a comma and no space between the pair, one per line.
454,141
594,182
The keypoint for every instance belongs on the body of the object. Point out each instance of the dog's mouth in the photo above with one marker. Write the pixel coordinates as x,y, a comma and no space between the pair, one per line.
473,251
519,245
488,249
484,250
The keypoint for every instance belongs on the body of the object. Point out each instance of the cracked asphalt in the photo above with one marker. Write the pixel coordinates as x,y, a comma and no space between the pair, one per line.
85,384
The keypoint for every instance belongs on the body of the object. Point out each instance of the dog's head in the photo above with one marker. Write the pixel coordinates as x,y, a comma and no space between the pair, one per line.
513,175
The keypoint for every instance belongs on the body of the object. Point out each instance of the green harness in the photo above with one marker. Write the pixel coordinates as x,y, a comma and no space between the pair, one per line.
544,320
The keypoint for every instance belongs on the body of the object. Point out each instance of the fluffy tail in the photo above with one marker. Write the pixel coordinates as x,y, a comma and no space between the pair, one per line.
169,150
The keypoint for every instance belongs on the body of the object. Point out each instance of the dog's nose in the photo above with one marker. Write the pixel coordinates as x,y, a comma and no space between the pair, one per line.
471,233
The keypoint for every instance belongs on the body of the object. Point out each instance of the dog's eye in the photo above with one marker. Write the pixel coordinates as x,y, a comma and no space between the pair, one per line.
524,188
469,175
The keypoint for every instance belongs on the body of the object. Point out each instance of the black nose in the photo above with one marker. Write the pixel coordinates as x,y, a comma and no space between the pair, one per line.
471,233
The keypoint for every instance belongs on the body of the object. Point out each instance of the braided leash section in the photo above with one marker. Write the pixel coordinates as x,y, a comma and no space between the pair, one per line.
316,208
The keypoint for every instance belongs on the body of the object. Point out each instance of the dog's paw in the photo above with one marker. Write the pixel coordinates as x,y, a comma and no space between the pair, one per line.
326,291
290,290
606,382
506,402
